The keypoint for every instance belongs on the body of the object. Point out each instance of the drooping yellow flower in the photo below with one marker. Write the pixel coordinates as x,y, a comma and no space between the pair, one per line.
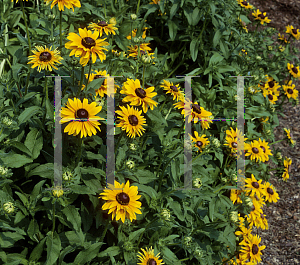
44,58
244,25
144,50
86,46
294,32
122,201
261,16
289,135
281,37
64,3
102,26
254,187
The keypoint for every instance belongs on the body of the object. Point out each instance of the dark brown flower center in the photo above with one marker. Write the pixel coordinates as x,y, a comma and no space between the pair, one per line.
255,185
295,70
151,262
123,198
255,150
271,84
270,191
262,84
174,88
140,92
255,249
45,57
290,91
133,120
270,97
88,42
244,3
261,16
294,31
263,148
196,108
234,144
102,24
82,114
199,143
97,76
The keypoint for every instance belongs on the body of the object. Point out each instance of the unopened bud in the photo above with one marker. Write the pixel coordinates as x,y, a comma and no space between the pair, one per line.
130,164
133,16
57,191
8,207
258,58
146,59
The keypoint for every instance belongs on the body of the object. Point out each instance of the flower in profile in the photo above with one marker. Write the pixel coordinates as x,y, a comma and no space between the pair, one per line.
235,196
266,150
261,16
81,116
144,50
294,32
281,37
174,90
148,258
199,113
285,175
86,45
201,142
245,232
254,151
137,96
290,90
263,222
287,162
133,33
131,120
64,3
293,70
270,193
44,58
122,201
103,26
244,4
289,135
251,249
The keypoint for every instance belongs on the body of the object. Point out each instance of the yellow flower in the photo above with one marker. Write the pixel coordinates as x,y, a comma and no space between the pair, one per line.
294,32
253,187
45,58
245,4
287,162
281,37
285,175
270,193
261,16
122,201
201,142
251,249
147,257
254,151
290,90
294,71
289,135
272,97
64,3
266,150
174,90
102,26
57,191
144,50
86,45
234,196
133,33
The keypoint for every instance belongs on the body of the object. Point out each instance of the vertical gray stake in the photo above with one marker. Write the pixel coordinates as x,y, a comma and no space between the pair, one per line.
188,178
110,162
57,134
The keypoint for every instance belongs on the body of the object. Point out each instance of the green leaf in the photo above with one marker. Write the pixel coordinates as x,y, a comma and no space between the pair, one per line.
176,207
34,142
50,110
37,251
174,9
33,229
217,38
194,48
53,247
169,256
8,239
37,190
216,58
147,189
152,9
120,157
144,176
26,98
212,7
45,171
71,212
113,251
172,29
225,68
28,113
220,157
21,147
85,256
195,16
14,160
135,235
211,209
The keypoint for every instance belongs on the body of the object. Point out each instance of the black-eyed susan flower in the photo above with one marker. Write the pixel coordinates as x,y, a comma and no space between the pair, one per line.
285,175
131,120
272,85
289,135
235,196
64,3
270,192
103,88
263,222
251,250
266,150
281,48
144,50
201,142
271,97
281,37
181,105
253,186
137,96
122,201
293,70
290,90
172,89
44,58
148,258
86,45
244,4
294,32
133,33
254,151
261,16
199,113
82,117
244,231
231,139
287,162
103,26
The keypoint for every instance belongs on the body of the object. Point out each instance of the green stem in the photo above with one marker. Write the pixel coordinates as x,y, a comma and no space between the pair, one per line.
104,9
121,135
138,6
81,81
184,259
278,141
179,133
53,227
87,81
60,27
163,171
79,151
145,142
144,67
29,45
46,97
163,104
104,231
145,230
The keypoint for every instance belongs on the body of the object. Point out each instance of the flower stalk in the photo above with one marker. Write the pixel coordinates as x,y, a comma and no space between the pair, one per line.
60,27
104,231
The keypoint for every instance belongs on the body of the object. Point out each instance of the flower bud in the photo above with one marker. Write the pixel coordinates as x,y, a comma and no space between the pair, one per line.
67,176
6,121
165,214
113,21
198,252
216,143
281,48
137,40
133,16
197,183
3,170
57,191
279,155
146,59
128,246
51,16
270,48
187,241
258,58
8,207
132,147
74,61
251,90
130,164
249,202
234,177
251,40
234,216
